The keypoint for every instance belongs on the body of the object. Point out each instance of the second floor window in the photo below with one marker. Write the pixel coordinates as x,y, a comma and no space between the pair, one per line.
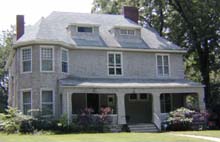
64,54
114,64
163,65
26,56
47,59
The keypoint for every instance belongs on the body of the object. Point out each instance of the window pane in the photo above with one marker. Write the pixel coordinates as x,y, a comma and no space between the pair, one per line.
165,60
160,70
124,32
111,59
131,32
47,53
26,54
64,67
166,70
133,96
159,60
85,29
47,65
143,96
167,107
26,66
167,98
26,109
26,97
118,58
64,55
118,71
47,96
47,109
111,71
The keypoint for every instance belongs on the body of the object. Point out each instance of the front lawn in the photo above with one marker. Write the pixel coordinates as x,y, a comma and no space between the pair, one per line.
210,133
101,137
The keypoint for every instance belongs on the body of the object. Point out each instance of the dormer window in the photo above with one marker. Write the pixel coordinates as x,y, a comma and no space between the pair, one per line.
81,29
127,32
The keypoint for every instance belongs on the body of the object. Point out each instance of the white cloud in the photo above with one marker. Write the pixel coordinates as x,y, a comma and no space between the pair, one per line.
35,9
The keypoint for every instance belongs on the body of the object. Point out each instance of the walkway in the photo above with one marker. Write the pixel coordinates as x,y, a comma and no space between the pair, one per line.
199,137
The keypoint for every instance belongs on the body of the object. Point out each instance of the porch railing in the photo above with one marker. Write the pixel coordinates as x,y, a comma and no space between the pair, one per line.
157,120
114,117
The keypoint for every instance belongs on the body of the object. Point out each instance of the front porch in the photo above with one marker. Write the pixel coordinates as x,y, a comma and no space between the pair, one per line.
130,105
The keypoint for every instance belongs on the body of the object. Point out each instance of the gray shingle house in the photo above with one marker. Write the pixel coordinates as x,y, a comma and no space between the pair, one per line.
70,61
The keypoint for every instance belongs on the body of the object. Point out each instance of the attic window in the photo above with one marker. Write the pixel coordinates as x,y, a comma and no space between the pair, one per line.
127,32
84,29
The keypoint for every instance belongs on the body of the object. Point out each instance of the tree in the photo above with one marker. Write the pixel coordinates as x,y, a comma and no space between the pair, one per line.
192,24
5,47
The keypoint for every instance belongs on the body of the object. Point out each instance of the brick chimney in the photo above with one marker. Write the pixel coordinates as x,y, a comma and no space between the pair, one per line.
131,13
19,25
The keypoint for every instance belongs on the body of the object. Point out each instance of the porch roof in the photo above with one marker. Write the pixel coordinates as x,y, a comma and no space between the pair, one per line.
126,83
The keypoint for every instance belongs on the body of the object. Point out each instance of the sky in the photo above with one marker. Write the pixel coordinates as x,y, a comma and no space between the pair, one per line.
33,10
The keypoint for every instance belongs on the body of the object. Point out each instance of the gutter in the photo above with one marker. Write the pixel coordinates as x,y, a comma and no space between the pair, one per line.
72,46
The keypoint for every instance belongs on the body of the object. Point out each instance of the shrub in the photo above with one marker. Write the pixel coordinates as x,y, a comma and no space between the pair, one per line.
26,126
13,121
185,119
87,122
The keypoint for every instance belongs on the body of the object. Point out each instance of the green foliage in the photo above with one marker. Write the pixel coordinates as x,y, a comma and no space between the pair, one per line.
13,121
5,48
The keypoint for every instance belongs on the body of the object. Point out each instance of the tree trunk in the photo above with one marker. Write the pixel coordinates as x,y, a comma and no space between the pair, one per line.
204,68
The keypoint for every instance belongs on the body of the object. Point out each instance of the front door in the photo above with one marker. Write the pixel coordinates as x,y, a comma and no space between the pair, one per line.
93,102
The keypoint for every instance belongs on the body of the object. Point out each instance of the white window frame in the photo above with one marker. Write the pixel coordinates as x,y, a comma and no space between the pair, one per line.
53,95
21,98
77,29
52,59
121,55
127,33
21,59
63,49
163,75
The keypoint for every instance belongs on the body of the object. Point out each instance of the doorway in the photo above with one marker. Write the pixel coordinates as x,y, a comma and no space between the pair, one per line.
93,102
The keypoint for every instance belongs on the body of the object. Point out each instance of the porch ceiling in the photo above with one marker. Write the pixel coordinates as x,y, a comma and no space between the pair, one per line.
126,83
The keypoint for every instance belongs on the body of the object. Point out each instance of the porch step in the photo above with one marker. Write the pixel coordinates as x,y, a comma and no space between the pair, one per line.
141,128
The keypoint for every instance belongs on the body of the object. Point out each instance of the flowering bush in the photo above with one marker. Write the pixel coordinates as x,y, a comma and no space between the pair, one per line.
186,119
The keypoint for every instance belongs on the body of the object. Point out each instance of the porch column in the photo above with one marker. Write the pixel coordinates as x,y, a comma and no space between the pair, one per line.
156,109
201,97
67,106
121,108
64,102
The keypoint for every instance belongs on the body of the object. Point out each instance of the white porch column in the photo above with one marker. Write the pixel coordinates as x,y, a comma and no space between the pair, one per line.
156,109
64,102
201,97
121,108
67,106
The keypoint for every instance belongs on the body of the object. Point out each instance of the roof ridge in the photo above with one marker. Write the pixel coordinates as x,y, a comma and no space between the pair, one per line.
106,14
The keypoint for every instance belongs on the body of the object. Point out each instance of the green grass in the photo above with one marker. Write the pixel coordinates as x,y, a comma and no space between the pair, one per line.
210,133
106,137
